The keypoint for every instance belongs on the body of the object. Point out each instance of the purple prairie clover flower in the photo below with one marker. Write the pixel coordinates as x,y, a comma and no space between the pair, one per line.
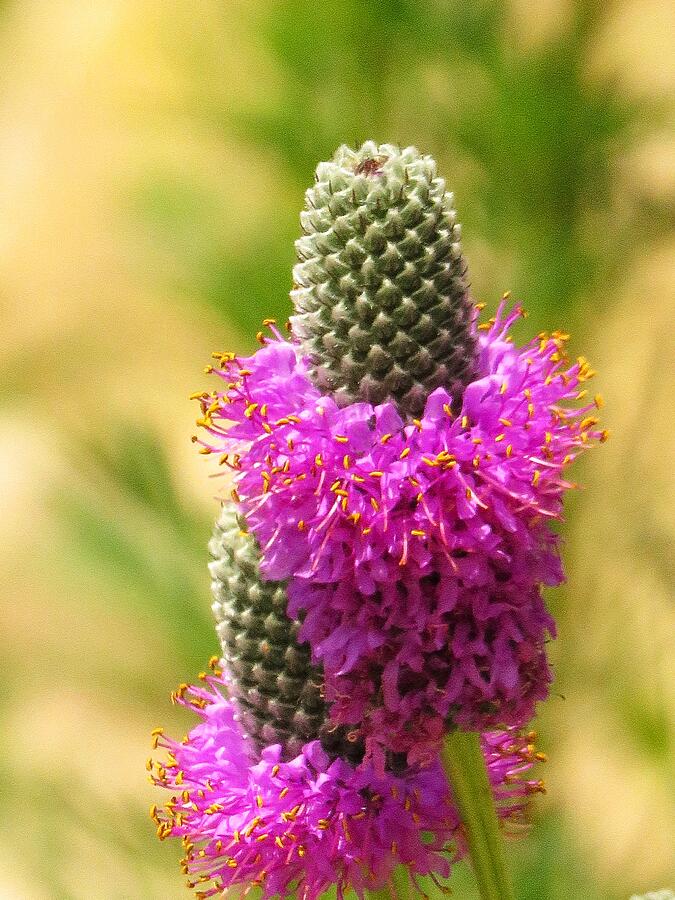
378,575
305,824
415,548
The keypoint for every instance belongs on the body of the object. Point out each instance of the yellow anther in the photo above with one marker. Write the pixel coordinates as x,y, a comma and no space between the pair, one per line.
341,438
503,387
465,421
385,438
405,452
418,532
535,477
376,474
374,504
500,437
447,410
301,525
507,423
346,461
530,409
588,422
417,423
252,827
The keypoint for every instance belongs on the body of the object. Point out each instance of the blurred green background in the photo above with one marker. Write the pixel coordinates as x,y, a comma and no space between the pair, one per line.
154,157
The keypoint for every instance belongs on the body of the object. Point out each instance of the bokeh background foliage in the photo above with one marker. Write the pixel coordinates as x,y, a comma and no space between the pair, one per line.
154,160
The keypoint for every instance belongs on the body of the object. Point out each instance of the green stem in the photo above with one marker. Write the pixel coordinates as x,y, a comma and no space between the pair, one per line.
401,879
399,889
383,894
465,768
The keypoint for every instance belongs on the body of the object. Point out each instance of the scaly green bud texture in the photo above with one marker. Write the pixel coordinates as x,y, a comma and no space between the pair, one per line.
381,301
277,690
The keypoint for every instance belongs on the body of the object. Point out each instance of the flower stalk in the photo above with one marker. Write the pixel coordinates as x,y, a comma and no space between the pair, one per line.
383,894
399,889
464,765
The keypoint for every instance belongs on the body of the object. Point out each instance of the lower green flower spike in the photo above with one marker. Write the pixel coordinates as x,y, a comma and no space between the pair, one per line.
464,765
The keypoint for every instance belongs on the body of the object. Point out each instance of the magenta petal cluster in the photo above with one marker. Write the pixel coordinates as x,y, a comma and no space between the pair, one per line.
416,548
309,823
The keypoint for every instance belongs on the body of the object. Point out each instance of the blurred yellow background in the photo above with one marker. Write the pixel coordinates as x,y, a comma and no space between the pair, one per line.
154,157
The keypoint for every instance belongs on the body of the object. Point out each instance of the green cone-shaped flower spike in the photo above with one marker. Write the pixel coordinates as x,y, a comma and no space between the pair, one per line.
381,301
277,690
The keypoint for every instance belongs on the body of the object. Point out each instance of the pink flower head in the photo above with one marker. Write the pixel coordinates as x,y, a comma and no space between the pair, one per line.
416,548
312,822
